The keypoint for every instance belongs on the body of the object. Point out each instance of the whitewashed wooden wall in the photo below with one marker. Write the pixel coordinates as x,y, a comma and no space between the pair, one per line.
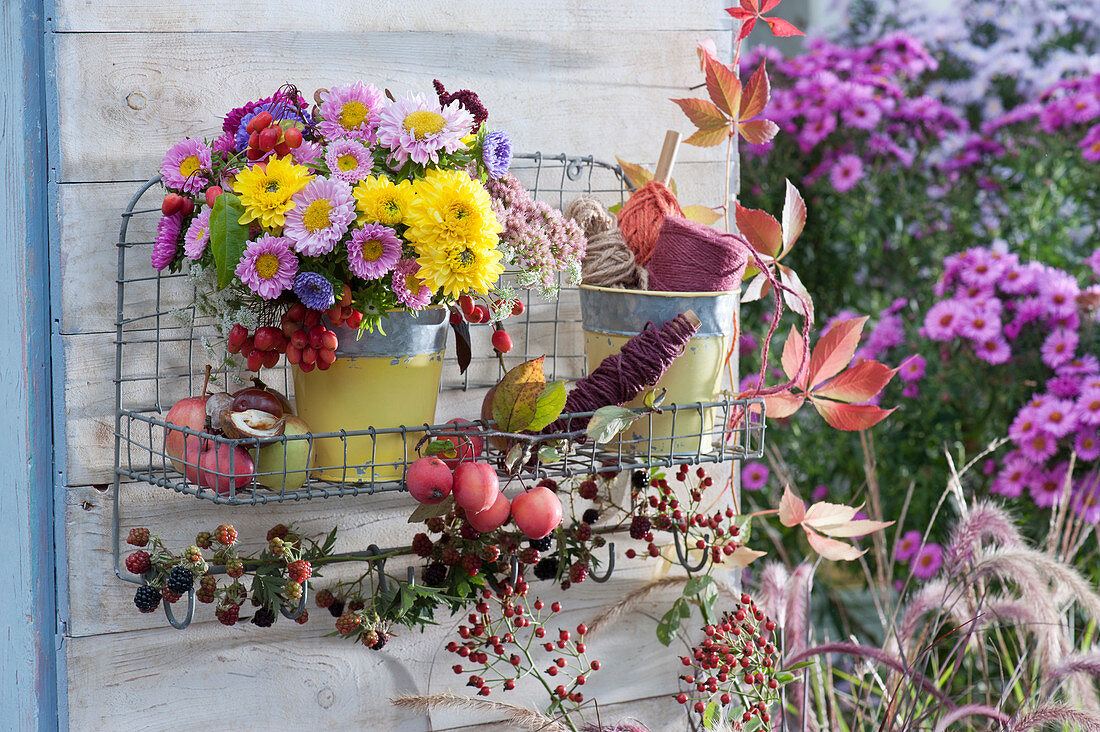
133,76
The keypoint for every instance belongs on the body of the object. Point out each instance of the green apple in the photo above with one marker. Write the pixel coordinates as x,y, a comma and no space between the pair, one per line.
297,455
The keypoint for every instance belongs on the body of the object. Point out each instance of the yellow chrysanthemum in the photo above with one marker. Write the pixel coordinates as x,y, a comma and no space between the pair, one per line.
379,201
465,267
266,194
450,210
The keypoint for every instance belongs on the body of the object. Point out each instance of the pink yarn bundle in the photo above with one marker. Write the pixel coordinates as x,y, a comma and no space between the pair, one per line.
693,257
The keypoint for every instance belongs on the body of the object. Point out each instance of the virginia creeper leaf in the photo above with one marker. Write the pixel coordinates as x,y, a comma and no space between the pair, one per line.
835,349
857,384
756,94
227,236
758,131
850,417
723,86
517,395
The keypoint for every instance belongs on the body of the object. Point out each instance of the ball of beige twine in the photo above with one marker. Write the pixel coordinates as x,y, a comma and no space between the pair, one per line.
608,261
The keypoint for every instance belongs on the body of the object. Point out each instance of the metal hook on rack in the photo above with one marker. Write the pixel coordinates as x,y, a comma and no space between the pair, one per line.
681,554
610,565
297,612
177,624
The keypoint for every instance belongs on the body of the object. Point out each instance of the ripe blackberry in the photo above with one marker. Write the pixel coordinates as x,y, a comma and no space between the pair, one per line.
204,540
299,570
226,535
264,618
542,544
347,623
180,580
380,643
530,555
303,618
435,574
228,615
490,553
336,608
547,568
471,563
324,598
234,568
584,532
422,545
138,562
590,516
578,572
639,527
451,556
277,531
588,490
147,598
638,479
138,537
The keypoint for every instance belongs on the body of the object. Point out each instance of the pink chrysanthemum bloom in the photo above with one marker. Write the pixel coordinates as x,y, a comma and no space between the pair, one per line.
846,172
351,110
409,288
1088,406
167,241
943,320
1059,347
415,128
1087,445
197,236
1012,479
928,561
1057,417
308,152
373,251
913,368
183,166
322,212
908,546
754,476
1038,447
267,266
349,160
993,351
1048,488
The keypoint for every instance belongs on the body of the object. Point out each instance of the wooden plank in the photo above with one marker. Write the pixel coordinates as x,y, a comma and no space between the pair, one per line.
493,16
584,90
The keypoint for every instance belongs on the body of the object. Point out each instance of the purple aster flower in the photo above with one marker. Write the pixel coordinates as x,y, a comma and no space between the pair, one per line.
419,129
1013,478
926,564
167,242
1049,486
314,290
373,251
846,172
1088,406
1087,444
754,476
322,212
913,368
496,153
1057,417
351,110
1059,347
349,160
185,166
944,319
993,351
197,236
267,266
408,287
1038,447
908,546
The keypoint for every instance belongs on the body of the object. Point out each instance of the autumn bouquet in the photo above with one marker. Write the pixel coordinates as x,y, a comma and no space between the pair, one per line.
362,205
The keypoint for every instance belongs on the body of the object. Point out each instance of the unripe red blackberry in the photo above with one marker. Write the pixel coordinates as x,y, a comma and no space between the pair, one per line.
639,527
422,545
588,490
138,537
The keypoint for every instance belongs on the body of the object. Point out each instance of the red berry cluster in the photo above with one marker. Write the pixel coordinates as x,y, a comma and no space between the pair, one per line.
265,137
735,664
501,637
260,349
312,345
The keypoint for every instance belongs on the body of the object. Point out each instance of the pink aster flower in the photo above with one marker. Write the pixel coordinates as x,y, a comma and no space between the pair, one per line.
846,172
1048,488
928,561
993,351
184,164
1038,447
1087,444
409,288
322,212
416,128
913,368
373,251
1088,406
754,476
944,319
1057,417
267,266
1058,348
197,236
167,242
349,161
908,546
351,110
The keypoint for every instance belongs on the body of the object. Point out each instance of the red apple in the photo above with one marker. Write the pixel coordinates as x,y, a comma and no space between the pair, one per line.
468,446
493,517
217,465
189,412
429,480
536,512
475,486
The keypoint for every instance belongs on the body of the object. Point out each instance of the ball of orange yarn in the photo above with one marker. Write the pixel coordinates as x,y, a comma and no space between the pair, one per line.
641,217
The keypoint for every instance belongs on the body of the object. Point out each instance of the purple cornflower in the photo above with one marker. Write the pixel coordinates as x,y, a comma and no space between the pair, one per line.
928,561
754,476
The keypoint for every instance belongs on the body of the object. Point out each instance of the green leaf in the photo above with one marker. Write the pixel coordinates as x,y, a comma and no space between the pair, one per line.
548,406
426,511
446,448
697,584
669,624
517,395
609,421
227,236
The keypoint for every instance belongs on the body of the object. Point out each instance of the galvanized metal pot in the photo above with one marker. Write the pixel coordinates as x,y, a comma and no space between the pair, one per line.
610,317
378,383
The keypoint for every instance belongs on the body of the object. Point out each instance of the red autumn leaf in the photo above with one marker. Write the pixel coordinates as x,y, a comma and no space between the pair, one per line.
857,384
761,230
756,94
783,404
723,86
850,417
702,113
758,131
794,217
834,350
794,357
708,138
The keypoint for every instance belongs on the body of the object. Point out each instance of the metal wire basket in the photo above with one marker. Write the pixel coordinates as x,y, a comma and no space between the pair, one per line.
163,344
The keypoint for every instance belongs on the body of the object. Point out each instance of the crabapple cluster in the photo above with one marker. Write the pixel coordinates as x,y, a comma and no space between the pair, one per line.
498,644
735,665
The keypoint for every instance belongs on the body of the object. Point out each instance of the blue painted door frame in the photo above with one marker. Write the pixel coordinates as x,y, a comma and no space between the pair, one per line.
30,651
